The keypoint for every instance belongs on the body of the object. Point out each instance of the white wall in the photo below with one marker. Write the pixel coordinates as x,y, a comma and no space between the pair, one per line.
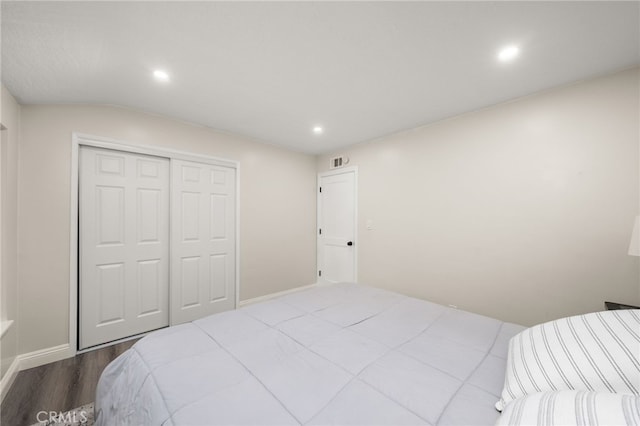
522,211
277,207
10,118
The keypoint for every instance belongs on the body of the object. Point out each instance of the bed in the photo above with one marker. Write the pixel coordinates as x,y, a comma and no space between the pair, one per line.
345,354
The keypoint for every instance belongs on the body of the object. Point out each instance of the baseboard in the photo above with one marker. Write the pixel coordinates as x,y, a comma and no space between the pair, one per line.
9,377
57,353
274,295
44,356
30,360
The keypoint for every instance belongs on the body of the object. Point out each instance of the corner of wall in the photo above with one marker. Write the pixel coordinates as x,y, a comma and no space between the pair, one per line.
10,120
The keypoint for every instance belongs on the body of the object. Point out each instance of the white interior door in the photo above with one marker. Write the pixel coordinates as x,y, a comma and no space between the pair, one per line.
337,225
124,244
203,260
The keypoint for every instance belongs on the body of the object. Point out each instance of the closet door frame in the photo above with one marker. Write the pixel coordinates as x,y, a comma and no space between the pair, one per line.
81,139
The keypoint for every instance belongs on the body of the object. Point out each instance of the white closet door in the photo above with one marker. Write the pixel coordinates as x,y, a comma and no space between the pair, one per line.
124,245
203,238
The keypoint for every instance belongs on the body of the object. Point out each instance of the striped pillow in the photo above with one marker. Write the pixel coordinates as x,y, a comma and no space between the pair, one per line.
572,408
592,352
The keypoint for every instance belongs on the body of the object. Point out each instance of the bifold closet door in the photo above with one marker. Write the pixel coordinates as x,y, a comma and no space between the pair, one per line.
203,268
124,245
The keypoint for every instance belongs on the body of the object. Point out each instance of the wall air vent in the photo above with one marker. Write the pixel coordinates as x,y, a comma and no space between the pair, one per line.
337,162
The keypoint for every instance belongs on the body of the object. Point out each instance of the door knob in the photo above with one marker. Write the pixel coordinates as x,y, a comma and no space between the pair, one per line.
350,243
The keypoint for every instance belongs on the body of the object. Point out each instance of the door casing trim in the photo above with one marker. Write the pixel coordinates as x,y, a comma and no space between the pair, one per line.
82,139
334,172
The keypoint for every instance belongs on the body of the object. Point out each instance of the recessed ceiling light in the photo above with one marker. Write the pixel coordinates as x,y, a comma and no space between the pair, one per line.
317,130
161,75
508,53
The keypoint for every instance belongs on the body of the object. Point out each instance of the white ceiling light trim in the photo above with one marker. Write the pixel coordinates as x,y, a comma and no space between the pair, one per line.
317,130
509,53
161,75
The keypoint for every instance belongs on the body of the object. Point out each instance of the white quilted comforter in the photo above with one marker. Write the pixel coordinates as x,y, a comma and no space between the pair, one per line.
342,354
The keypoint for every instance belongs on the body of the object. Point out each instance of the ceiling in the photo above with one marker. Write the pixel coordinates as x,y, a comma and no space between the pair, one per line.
273,70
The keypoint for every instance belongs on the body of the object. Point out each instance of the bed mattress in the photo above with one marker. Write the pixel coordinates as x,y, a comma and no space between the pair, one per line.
345,354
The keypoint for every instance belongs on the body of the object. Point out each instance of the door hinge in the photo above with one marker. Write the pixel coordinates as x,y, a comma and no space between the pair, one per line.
320,231
319,273
320,189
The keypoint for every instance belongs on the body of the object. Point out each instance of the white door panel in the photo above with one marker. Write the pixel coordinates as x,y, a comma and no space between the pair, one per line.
337,226
203,235
124,244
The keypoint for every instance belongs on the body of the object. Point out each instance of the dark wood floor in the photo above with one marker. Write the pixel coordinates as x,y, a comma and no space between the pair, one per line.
59,386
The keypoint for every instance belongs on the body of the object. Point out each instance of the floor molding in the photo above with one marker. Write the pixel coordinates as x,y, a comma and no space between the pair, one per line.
274,295
60,352
58,386
9,377
44,356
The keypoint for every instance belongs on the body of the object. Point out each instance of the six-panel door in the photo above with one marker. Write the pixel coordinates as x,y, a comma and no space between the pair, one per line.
124,245
203,238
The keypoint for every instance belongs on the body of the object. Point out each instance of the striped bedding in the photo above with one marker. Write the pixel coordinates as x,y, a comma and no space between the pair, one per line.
570,407
594,352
